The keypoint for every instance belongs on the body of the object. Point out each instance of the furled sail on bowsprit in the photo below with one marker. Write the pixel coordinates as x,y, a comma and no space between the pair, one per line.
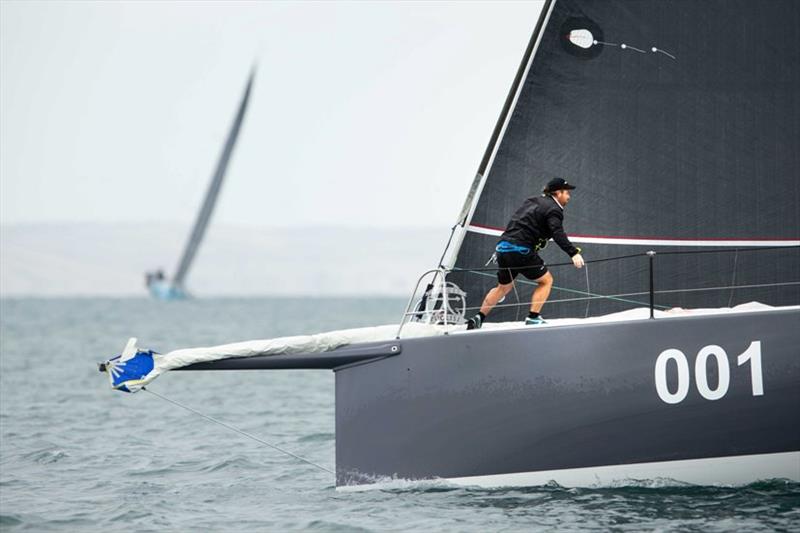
679,122
135,368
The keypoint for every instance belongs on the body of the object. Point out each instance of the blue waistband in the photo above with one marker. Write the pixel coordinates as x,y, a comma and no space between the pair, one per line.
505,247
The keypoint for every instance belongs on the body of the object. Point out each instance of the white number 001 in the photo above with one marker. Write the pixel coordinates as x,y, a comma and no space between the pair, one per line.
752,354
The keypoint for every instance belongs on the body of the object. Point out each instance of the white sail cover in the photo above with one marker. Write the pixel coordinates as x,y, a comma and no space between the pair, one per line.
133,370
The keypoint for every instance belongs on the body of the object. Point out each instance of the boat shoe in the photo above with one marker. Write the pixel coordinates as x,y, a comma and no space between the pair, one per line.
475,322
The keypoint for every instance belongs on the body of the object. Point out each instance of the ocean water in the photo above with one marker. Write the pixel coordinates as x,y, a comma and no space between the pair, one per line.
76,456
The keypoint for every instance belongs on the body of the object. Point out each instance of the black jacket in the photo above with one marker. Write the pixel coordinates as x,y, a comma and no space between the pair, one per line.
540,218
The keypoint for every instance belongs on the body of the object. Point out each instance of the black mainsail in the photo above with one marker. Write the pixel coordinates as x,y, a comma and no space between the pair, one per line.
175,288
678,121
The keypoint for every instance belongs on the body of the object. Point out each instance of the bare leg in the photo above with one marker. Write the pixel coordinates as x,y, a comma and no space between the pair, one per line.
543,286
494,296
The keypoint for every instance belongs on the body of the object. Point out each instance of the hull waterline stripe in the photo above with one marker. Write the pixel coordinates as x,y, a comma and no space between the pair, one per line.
736,470
640,241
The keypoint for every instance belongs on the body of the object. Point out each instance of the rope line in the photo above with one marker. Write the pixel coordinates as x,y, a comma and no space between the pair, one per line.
624,297
516,295
755,286
733,276
727,250
643,254
237,430
621,297
447,246
601,260
594,296
588,291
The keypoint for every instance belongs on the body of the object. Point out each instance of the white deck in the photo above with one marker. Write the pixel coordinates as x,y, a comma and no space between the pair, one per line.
640,313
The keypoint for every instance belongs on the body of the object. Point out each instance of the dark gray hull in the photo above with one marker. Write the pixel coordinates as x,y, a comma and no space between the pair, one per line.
576,404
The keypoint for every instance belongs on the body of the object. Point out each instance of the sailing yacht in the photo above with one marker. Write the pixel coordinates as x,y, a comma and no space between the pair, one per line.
160,286
674,353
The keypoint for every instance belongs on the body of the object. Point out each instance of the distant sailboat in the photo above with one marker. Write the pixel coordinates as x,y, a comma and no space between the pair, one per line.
158,284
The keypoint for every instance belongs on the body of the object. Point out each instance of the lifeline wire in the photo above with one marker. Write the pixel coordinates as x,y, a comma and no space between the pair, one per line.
449,240
237,430
596,296
516,295
618,297
588,290
733,277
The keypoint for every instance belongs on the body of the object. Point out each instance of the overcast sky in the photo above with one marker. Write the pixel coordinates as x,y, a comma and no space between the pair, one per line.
362,113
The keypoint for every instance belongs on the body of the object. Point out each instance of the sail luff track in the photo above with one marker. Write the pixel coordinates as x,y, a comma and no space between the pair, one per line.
474,193
512,93
471,201
203,217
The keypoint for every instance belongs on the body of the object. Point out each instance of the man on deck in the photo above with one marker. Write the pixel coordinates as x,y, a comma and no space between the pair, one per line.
532,225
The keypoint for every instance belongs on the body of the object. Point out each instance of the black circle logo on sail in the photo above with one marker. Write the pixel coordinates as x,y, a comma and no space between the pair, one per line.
581,37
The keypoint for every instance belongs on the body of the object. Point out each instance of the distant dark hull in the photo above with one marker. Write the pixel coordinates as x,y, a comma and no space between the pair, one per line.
575,404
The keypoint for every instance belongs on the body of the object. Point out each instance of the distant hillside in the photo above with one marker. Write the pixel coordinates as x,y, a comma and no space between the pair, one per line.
110,259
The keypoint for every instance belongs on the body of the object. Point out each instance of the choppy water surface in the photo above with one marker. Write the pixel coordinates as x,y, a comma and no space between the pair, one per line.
76,456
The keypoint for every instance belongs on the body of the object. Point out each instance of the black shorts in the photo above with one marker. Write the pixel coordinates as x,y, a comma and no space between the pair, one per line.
511,264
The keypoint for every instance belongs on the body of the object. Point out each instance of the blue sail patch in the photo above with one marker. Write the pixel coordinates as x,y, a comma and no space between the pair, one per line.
128,375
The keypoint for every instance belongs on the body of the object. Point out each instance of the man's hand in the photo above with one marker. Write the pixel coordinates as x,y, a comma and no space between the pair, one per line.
577,260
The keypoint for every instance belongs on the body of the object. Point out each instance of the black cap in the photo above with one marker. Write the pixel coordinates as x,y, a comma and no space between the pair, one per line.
558,184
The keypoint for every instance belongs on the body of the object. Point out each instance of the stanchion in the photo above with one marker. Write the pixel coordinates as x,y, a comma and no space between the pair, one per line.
651,254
